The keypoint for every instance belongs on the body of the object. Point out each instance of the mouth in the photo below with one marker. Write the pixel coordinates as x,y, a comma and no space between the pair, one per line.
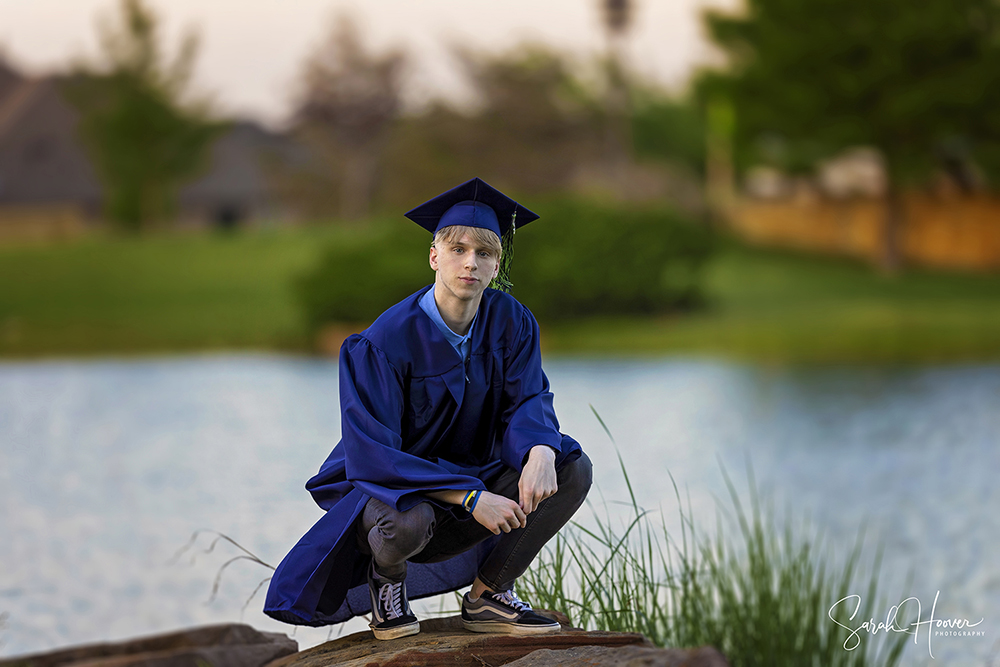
468,280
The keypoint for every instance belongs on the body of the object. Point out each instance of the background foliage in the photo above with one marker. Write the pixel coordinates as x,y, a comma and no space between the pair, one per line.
582,258
920,82
810,78
146,137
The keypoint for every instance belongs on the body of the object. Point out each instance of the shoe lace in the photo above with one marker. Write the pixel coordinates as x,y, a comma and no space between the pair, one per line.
510,599
390,597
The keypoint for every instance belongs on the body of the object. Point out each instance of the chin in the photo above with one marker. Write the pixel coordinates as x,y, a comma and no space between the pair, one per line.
470,291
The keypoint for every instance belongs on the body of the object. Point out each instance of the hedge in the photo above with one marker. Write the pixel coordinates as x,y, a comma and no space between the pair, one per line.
579,259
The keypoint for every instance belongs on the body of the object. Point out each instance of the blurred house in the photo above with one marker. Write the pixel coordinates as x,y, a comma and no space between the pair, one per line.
857,172
242,182
50,188
48,185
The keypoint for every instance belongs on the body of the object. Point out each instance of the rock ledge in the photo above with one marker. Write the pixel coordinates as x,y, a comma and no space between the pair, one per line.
228,645
441,642
444,642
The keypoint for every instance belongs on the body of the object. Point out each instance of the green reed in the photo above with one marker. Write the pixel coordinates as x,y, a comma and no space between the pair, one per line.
761,597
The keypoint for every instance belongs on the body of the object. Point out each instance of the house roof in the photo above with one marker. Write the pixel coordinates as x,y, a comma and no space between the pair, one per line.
9,79
41,157
43,160
241,166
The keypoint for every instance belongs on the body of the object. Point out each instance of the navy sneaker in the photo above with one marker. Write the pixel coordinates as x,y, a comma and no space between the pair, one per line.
391,615
503,612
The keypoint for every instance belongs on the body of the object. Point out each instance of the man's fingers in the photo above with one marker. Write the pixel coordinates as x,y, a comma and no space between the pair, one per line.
530,500
533,501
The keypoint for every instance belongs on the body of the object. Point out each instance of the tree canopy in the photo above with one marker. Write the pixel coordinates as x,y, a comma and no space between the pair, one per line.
919,81
349,100
145,135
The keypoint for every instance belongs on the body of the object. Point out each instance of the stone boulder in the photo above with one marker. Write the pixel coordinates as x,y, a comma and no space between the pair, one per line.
229,645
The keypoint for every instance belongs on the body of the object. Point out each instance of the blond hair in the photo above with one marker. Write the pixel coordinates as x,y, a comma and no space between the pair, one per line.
482,237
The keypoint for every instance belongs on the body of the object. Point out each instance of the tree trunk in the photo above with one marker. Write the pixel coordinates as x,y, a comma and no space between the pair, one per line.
720,188
889,260
357,185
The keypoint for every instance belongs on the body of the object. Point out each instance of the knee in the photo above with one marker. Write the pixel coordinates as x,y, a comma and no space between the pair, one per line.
411,530
576,476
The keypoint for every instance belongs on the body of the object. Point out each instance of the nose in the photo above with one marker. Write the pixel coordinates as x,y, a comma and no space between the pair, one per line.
471,262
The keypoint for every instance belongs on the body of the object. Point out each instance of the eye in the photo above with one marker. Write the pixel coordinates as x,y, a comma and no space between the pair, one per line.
458,249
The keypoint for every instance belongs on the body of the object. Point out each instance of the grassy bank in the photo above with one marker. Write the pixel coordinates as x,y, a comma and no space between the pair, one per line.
784,308
205,292
156,293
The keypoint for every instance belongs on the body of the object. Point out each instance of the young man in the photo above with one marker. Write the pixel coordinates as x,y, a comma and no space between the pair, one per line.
451,456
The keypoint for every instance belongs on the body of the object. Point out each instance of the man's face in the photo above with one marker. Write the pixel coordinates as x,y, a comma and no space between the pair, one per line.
463,268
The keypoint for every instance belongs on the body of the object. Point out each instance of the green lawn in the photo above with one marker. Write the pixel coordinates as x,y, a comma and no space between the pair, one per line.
782,308
201,292
157,293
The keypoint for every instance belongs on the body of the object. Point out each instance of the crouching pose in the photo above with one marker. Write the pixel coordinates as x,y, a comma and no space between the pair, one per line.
451,469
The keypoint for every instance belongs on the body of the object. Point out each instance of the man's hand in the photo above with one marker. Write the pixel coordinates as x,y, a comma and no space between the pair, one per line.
538,478
498,513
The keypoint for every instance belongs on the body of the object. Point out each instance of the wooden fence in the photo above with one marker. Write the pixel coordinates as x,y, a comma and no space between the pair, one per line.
943,232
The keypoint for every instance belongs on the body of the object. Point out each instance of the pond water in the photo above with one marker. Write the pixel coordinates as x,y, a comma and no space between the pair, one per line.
108,467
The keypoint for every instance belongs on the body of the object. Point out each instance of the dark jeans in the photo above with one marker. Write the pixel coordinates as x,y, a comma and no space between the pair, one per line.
427,534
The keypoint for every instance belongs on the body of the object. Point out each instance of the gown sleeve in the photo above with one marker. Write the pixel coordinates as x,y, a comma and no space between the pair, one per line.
371,399
529,415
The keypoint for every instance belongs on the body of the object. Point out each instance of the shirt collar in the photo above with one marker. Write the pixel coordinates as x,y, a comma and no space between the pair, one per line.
429,306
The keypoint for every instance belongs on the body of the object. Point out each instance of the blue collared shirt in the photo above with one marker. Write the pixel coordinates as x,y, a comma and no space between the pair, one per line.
462,344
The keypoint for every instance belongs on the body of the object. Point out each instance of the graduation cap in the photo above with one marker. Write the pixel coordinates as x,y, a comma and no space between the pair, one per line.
476,204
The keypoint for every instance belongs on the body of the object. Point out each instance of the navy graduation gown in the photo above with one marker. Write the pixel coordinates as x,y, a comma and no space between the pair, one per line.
416,418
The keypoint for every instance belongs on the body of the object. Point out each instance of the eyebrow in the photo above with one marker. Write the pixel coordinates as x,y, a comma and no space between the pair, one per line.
473,246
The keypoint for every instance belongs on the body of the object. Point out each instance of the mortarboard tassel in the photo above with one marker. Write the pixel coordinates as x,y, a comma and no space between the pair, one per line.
502,281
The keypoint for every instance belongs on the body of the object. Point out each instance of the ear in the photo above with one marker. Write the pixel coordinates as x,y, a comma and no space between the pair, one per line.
496,270
434,258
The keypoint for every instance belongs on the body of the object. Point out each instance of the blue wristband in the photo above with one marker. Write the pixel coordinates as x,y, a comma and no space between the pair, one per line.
475,499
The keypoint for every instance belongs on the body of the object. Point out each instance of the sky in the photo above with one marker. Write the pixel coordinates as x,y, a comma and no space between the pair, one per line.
252,50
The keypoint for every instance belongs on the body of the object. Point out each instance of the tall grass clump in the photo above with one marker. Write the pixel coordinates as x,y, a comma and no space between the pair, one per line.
758,594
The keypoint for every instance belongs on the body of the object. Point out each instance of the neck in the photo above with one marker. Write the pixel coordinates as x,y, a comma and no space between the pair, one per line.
456,313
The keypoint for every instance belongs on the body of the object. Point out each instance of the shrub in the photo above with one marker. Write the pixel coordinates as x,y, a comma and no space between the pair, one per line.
580,259
590,259
359,277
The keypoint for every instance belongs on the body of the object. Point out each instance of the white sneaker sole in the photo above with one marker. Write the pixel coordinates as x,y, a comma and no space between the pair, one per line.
503,628
396,632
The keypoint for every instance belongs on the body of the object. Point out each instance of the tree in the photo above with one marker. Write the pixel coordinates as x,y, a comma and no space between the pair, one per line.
667,128
617,16
349,101
530,126
145,138
536,121
807,78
